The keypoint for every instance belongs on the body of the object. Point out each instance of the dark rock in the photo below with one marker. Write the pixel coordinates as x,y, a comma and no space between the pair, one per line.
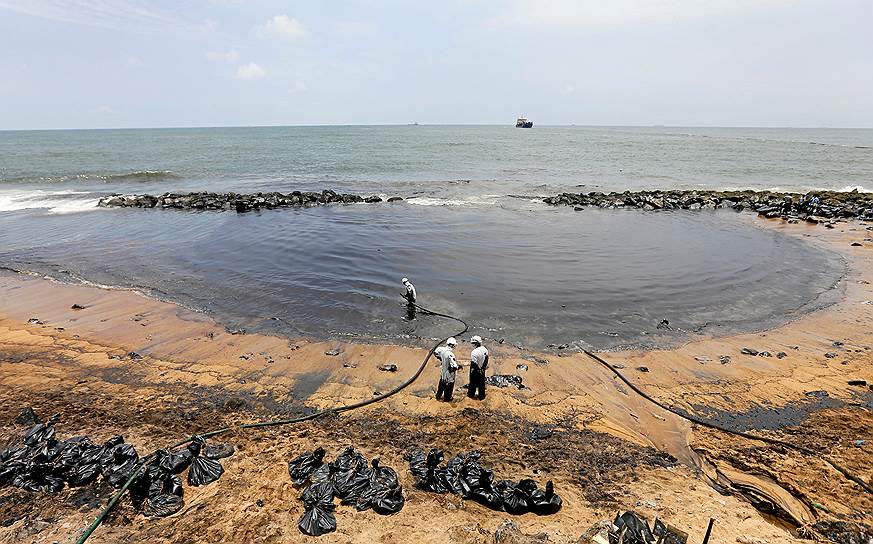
830,355
134,356
749,351
77,307
765,354
781,355
856,244
395,199
856,383
643,368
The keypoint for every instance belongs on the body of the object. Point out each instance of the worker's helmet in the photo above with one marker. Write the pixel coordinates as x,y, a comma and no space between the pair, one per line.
451,342
476,340
404,280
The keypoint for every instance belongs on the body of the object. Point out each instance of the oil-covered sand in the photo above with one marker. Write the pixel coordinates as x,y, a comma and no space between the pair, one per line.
606,448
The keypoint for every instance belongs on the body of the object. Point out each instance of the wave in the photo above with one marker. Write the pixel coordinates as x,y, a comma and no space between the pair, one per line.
476,200
56,202
136,175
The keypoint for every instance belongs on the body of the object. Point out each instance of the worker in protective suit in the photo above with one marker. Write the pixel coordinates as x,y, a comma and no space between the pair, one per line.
410,297
478,364
449,367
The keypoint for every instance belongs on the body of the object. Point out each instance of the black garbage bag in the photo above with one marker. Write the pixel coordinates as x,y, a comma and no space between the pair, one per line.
430,475
174,463
516,499
217,451
635,530
38,483
39,433
545,502
350,485
384,493
668,534
301,467
318,518
484,493
349,459
324,473
162,505
204,471
83,474
124,462
417,464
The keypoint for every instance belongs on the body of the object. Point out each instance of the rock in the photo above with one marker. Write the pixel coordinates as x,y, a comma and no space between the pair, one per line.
231,201
395,199
134,356
837,343
509,533
77,307
781,355
665,325
388,368
643,368
765,354
749,351
746,539
333,352
830,354
27,417
857,244
858,383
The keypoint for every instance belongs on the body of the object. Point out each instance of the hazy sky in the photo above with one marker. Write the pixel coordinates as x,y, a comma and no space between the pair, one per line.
133,63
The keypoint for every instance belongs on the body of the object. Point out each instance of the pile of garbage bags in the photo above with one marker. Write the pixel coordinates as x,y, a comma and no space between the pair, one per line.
629,528
464,475
44,464
350,478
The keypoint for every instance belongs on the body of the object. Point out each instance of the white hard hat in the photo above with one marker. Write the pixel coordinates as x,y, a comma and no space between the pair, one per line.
404,280
451,342
476,340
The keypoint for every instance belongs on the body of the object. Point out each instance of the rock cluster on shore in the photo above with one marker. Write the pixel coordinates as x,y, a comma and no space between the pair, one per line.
234,201
833,205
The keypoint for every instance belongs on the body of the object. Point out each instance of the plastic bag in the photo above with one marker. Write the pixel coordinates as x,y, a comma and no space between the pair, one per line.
174,463
318,520
545,502
515,500
634,528
163,505
204,471
301,467
217,451
382,485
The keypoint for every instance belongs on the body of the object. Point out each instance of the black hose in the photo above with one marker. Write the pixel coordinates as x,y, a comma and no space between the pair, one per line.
773,441
270,423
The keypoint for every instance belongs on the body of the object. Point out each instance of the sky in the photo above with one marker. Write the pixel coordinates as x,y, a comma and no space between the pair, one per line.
133,63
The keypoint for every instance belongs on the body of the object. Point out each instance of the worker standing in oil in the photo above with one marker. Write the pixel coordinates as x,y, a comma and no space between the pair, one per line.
478,364
410,297
448,369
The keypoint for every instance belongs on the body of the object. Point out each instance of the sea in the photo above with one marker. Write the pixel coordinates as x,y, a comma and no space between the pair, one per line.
471,233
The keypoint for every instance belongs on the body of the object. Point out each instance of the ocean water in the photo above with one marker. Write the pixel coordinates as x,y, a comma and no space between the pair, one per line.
471,233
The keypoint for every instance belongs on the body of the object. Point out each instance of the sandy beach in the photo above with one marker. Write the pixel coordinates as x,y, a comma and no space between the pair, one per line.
156,373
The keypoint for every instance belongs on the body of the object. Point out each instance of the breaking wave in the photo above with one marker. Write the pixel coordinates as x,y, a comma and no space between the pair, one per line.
477,200
58,202
136,175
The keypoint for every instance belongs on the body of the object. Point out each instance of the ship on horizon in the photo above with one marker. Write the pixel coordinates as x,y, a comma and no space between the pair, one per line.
523,122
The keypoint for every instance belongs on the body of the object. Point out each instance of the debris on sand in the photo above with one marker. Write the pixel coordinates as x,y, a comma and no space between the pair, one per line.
77,307
749,351
464,475
333,352
509,533
631,528
388,368
349,478
724,359
506,380
44,464
35,321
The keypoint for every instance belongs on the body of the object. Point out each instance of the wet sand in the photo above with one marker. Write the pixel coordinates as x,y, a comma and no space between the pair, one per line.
156,372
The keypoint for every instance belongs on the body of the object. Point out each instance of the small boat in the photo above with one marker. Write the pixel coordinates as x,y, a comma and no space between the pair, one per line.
523,122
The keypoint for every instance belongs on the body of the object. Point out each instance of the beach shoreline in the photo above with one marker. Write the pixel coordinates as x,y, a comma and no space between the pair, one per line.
127,353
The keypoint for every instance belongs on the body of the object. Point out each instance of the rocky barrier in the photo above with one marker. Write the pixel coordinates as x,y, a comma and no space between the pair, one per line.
234,201
829,204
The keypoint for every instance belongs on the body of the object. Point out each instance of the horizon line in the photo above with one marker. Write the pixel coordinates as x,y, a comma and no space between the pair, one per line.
508,125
